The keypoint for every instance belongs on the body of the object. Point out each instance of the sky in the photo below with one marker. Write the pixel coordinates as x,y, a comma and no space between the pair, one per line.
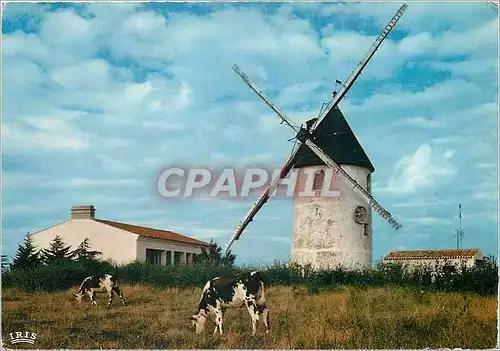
99,98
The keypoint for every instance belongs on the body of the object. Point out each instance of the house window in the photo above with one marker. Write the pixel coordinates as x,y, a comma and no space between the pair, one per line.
153,256
318,180
369,183
177,258
169,258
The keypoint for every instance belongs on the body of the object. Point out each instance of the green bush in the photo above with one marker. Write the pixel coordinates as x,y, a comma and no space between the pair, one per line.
481,279
163,276
58,276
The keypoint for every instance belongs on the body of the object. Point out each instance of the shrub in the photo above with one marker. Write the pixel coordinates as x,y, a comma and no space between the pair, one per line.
481,279
58,276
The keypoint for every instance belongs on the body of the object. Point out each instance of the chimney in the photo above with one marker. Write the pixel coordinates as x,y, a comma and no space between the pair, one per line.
83,212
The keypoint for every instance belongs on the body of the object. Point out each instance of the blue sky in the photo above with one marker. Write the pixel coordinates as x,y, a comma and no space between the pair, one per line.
99,98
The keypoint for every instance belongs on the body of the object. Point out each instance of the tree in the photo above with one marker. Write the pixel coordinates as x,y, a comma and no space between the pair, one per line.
83,251
213,256
57,252
27,256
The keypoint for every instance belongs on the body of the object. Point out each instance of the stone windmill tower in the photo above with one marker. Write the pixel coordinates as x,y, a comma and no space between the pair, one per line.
333,230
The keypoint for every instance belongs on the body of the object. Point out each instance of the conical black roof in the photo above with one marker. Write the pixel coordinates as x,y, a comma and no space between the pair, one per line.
336,138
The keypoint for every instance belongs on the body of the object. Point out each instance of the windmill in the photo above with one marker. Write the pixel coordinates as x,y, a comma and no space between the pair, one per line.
353,252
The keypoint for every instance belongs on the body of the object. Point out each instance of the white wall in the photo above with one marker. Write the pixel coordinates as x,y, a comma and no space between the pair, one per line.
115,244
325,233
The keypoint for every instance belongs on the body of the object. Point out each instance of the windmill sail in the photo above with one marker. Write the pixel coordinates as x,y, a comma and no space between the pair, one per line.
264,197
359,68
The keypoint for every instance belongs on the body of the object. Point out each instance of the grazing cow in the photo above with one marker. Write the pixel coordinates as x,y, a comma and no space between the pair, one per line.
94,283
233,291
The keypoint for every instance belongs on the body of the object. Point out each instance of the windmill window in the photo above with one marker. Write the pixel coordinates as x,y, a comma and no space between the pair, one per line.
318,180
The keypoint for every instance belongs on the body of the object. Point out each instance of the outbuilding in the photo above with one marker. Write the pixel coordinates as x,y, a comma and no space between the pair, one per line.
451,259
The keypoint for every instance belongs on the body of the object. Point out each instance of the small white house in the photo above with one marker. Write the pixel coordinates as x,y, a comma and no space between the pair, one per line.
121,242
436,258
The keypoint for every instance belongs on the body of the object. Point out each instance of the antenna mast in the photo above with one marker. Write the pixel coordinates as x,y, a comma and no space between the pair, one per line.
459,232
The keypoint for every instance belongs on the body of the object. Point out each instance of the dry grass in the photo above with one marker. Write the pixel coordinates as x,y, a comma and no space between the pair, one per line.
348,318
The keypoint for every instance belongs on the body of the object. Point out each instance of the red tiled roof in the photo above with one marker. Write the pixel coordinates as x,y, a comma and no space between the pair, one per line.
431,254
153,233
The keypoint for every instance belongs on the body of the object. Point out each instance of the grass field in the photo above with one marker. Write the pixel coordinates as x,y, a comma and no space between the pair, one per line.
346,318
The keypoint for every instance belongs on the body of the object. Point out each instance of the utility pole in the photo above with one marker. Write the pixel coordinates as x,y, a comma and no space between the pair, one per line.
459,232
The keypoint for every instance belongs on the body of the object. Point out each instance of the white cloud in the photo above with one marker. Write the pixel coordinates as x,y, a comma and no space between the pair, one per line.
24,209
29,46
164,126
451,42
30,181
137,92
423,122
297,94
384,103
276,239
55,131
268,122
347,48
419,17
17,138
486,191
470,68
195,231
263,157
429,221
420,169
488,165
417,203
78,183
219,157
448,154
89,74
183,97
74,27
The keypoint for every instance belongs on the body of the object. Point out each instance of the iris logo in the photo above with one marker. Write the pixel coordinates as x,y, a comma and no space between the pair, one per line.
22,337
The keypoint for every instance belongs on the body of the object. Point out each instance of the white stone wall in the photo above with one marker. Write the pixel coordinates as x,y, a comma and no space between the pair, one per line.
325,233
115,244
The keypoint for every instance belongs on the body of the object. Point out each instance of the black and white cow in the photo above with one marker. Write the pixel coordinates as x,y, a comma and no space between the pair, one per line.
233,291
96,283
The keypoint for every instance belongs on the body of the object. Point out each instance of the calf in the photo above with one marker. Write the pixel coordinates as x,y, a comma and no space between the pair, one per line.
234,291
92,284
